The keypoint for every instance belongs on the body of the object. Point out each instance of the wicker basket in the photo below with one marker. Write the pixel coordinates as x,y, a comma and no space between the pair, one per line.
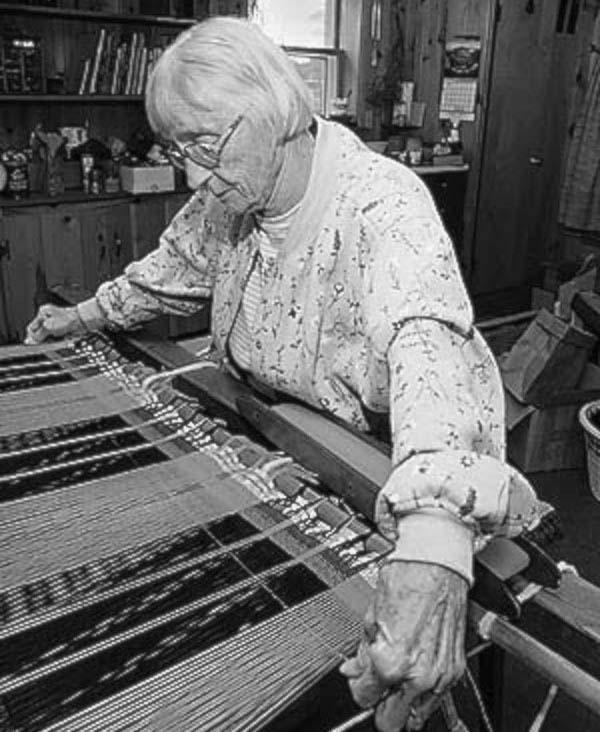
592,444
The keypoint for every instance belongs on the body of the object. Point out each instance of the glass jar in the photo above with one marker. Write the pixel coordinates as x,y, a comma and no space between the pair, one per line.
17,176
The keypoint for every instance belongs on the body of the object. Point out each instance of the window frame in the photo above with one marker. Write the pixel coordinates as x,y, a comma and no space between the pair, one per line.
333,55
333,73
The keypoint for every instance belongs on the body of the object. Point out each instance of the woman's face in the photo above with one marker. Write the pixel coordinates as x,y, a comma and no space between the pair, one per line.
238,166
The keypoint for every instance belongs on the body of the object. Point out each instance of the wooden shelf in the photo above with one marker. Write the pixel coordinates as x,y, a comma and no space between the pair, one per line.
79,196
33,10
71,98
438,169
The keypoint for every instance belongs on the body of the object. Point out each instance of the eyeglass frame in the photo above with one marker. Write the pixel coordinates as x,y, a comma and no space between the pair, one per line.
210,152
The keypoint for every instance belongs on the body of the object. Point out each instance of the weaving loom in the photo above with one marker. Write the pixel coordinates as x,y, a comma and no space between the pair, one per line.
153,562
161,572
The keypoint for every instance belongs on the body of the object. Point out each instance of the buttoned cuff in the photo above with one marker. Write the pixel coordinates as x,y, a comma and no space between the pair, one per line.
435,537
90,314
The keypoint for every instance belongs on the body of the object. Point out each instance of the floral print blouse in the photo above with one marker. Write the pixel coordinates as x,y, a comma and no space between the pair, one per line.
364,311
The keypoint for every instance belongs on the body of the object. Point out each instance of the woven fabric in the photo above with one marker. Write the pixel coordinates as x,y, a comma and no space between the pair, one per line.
195,588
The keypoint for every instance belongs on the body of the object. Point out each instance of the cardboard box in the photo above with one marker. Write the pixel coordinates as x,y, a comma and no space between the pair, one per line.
147,178
549,436
541,298
549,357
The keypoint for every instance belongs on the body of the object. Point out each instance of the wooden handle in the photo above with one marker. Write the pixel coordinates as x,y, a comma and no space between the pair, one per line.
554,667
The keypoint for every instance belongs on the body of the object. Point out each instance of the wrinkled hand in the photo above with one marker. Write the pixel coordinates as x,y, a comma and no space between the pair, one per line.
413,647
53,322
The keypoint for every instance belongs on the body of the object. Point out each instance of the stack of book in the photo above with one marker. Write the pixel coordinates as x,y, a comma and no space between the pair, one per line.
118,66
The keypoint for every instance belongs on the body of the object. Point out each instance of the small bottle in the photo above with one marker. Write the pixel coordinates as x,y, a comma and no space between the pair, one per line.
95,181
454,141
87,163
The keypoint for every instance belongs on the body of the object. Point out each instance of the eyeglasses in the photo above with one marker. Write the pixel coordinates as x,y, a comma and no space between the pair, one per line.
205,154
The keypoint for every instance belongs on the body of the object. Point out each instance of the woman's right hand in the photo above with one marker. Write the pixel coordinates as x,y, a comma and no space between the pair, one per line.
54,322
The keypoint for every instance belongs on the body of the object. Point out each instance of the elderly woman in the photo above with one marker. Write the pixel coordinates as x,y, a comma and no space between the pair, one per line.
332,279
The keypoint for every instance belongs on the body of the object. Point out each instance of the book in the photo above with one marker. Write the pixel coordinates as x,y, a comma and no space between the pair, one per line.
137,62
97,59
142,72
106,64
130,63
85,75
116,70
122,73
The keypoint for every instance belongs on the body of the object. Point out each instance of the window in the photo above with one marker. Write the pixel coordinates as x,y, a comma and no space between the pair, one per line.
308,31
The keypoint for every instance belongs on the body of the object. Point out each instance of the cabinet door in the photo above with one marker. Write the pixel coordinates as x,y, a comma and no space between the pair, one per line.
148,221
120,249
105,242
23,281
61,244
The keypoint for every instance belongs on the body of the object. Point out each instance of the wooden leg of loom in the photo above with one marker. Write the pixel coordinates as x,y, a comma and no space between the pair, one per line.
491,685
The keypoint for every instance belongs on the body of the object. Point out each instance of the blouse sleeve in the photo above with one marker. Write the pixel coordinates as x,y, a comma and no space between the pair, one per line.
451,488
177,277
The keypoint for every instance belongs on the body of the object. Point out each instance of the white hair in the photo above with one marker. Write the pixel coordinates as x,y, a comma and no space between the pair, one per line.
226,64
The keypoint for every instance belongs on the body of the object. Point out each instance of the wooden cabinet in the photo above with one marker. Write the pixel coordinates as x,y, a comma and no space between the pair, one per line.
78,244
77,247
106,242
21,270
448,187
83,245
147,223
60,233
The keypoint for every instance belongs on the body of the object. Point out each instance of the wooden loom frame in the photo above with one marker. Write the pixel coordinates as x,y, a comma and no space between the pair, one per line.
572,610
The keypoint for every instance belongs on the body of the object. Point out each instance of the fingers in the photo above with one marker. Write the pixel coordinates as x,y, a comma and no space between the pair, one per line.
365,684
36,331
395,710
412,650
421,711
51,321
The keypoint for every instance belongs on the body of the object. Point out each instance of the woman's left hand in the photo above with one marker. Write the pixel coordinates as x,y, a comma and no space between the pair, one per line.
413,647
